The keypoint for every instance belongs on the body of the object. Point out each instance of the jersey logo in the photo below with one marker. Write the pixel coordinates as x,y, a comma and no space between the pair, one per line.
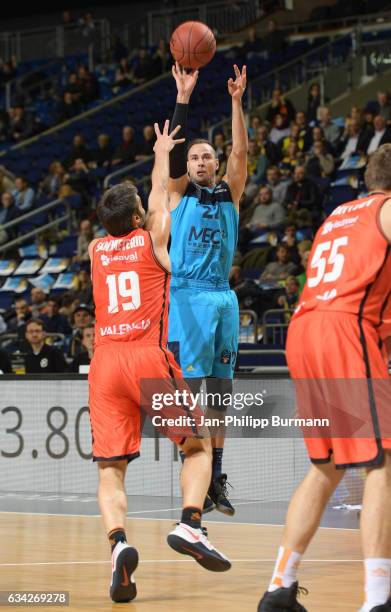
205,235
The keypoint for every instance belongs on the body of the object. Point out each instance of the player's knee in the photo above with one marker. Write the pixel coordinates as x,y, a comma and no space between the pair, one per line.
193,446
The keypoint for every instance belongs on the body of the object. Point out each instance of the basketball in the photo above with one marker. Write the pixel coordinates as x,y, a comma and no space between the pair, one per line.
193,44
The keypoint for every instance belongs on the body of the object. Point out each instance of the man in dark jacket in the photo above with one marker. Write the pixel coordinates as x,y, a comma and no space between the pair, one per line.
40,358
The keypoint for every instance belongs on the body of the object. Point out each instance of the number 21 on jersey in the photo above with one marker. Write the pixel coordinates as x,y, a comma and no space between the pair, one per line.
123,285
327,254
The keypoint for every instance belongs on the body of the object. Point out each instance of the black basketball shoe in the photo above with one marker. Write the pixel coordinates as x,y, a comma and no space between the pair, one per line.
383,607
124,561
283,600
219,495
208,505
194,542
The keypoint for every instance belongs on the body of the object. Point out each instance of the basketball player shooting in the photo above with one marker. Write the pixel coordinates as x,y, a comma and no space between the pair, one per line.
130,273
336,335
204,312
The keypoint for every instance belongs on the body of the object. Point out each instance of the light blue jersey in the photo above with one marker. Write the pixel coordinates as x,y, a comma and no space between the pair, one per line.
204,312
204,233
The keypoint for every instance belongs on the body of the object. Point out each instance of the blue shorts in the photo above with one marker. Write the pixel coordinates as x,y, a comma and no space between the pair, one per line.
203,331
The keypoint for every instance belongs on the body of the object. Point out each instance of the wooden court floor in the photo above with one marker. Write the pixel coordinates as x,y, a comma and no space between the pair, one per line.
70,553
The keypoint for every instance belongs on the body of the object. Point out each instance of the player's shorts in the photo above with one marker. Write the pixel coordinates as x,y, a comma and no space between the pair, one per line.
203,331
338,366
122,380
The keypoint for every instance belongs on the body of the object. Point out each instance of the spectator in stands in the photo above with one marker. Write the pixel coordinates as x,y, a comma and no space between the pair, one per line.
38,299
275,183
7,180
265,215
144,70
83,288
82,317
381,135
162,58
279,270
81,183
86,348
79,151
255,123
313,103
331,131
319,163
85,235
291,160
8,71
21,124
102,156
274,40
123,77
8,212
117,48
5,363
350,141
23,194
279,130
280,106
87,24
41,358
146,147
73,86
266,146
289,299
302,192
126,152
51,184
67,18
89,86
253,45
304,130
19,317
256,163
218,144
54,321
383,106
68,107
68,304
223,163
302,277
293,136
317,135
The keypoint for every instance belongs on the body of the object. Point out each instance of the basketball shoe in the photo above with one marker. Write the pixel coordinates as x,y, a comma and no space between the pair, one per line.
283,600
124,560
219,495
208,505
194,542
383,607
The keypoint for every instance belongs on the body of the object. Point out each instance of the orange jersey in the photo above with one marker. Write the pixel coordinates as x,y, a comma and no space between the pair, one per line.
349,268
131,290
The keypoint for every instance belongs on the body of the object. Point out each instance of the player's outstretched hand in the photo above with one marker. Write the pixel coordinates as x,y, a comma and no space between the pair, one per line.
236,87
185,82
164,140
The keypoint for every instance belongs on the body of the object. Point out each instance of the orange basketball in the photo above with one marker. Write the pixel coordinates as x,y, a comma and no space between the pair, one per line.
193,44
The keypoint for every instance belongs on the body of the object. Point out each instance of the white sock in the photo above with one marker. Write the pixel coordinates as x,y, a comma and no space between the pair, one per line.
377,583
285,569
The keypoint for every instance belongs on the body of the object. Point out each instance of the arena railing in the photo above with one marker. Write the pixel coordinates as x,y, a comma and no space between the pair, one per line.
126,170
223,17
53,41
67,217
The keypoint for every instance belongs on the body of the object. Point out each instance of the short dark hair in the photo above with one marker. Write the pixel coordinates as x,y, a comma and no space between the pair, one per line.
116,208
36,322
378,173
197,141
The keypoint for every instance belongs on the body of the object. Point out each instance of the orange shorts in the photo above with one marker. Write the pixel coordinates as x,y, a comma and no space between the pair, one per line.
122,379
340,373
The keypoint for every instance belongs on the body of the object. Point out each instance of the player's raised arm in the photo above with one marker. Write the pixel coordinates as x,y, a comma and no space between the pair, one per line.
185,82
237,161
158,221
